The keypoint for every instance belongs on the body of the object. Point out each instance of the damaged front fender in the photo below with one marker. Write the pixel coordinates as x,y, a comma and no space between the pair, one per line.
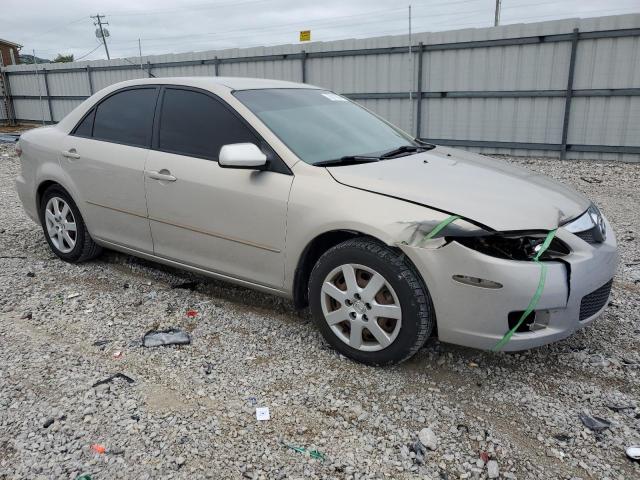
427,234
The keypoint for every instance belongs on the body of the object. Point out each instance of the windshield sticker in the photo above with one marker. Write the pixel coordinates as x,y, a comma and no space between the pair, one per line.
334,98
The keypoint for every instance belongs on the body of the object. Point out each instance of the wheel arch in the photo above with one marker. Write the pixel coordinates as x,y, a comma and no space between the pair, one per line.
314,250
42,187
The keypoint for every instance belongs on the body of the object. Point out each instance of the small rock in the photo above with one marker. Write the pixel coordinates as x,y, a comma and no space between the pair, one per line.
27,315
428,438
48,422
492,469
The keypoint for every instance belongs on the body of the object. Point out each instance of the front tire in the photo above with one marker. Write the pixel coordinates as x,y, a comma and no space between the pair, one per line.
369,304
64,227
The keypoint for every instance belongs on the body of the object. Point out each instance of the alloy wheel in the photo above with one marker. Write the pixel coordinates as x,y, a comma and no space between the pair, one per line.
61,224
361,307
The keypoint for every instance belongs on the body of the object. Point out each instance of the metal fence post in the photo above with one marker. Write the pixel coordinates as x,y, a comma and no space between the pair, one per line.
569,94
46,92
149,74
304,66
215,65
90,80
419,93
11,111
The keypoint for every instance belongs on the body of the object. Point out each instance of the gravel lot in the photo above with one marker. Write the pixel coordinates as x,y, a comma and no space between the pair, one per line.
190,411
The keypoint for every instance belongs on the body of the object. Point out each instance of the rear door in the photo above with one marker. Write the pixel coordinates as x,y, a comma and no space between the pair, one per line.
226,220
105,157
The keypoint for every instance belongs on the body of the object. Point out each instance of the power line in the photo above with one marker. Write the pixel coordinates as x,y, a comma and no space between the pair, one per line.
87,54
202,6
56,28
100,23
245,32
330,21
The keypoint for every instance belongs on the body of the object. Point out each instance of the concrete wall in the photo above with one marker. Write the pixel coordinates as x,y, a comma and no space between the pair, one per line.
493,90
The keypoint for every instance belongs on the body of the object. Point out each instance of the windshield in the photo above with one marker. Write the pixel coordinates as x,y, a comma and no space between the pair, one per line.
318,125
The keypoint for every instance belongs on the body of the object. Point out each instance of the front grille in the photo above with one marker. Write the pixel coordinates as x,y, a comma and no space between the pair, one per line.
594,301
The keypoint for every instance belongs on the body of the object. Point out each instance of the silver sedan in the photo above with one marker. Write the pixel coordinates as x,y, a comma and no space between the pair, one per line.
297,191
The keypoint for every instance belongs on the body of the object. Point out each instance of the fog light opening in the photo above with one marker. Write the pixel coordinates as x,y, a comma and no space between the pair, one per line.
536,320
525,326
476,282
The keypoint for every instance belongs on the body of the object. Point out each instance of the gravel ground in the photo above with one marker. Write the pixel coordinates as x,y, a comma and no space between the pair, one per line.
190,410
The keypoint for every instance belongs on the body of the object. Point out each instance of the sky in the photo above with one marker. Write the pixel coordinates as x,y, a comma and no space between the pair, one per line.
173,26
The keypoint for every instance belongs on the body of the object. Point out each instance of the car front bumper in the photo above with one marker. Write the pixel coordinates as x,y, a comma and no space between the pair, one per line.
478,317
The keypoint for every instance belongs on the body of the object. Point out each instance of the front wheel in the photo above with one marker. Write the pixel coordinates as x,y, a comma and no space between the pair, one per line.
369,304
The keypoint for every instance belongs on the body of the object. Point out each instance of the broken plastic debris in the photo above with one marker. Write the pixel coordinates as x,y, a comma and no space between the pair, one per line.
192,313
620,408
84,476
172,336
633,452
262,413
595,424
253,401
315,454
117,354
420,450
101,343
112,378
73,295
98,448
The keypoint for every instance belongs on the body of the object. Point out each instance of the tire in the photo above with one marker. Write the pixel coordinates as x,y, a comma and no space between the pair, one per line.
77,246
366,335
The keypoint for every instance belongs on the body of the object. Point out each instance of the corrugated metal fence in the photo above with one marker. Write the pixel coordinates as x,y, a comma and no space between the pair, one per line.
562,88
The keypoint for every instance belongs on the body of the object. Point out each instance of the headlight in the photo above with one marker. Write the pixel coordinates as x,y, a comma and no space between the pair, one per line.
590,226
514,246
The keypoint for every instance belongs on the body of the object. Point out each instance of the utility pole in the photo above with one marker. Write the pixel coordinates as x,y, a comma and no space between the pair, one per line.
140,52
497,17
100,23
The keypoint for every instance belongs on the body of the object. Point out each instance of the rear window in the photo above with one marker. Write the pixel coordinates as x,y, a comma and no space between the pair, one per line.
126,117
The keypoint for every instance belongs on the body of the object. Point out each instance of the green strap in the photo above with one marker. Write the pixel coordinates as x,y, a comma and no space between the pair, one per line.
536,296
439,227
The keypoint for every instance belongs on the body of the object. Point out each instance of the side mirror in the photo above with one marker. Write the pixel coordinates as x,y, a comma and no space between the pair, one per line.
241,155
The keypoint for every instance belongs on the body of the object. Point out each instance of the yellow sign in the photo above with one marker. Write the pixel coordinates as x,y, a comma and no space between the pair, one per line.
305,36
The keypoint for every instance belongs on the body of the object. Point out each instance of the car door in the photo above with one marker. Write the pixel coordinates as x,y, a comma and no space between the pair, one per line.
229,221
105,157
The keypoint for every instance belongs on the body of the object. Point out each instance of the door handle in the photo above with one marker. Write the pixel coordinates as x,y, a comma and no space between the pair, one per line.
72,154
163,175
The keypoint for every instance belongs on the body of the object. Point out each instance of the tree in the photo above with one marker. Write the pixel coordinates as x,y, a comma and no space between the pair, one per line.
63,58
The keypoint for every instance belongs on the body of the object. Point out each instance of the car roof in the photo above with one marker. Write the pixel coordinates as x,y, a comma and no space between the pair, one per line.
233,83
216,85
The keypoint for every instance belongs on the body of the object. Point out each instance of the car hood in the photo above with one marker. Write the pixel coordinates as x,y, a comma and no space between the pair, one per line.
489,191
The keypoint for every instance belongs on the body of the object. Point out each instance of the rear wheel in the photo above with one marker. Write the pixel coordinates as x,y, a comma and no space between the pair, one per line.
64,228
369,304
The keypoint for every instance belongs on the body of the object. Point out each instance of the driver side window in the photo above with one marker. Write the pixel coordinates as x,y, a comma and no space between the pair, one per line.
195,124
